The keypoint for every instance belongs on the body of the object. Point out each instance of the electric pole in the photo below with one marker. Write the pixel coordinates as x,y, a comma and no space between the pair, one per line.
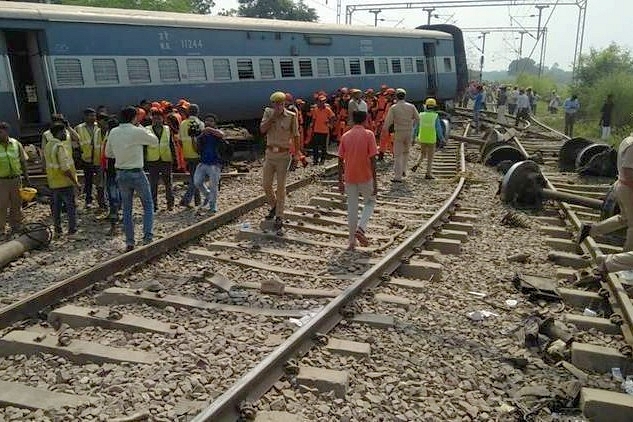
483,52
521,44
540,8
429,11
376,12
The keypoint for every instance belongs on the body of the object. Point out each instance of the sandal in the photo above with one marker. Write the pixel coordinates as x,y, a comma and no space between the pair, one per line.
362,239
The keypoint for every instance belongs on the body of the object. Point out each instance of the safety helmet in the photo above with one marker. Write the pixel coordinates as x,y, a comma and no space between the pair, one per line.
277,97
27,194
390,91
430,102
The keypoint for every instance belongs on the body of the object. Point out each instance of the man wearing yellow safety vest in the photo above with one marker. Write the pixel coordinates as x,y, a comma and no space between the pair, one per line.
429,131
62,179
72,138
189,130
12,166
90,148
159,159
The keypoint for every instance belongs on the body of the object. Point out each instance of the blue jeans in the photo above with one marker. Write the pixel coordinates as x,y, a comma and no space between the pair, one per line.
114,197
192,191
128,183
64,197
213,171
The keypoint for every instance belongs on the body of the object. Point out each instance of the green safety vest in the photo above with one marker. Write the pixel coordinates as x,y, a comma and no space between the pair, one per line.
427,133
162,151
89,143
54,174
10,165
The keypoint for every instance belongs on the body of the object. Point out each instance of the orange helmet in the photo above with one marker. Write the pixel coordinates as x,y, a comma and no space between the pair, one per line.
390,91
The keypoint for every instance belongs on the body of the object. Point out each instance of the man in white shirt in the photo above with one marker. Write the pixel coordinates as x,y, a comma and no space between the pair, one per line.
523,107
355,104
403,116
125,144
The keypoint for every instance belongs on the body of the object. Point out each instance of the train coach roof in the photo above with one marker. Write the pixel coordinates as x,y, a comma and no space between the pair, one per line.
59,13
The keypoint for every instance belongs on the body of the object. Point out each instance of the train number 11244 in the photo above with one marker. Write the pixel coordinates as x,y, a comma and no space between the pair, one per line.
189,44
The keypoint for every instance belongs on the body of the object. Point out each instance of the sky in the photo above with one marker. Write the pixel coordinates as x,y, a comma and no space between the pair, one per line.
606,22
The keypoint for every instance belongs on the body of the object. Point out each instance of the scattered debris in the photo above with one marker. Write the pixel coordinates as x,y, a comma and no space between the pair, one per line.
516,219
521,257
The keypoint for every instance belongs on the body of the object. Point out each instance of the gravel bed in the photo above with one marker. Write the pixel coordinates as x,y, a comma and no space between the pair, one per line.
64,257
236,342
437,364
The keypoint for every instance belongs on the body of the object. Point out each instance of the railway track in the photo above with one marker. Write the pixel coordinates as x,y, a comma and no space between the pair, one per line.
157,332
600,311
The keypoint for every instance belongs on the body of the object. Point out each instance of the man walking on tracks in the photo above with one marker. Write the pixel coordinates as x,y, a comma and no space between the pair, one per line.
90,148
571,107
208,144
280,127
430,131
125,145
322,119
623,189
357,163
190,128
403,116
12,167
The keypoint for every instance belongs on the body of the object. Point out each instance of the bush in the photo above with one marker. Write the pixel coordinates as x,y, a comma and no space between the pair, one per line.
592,98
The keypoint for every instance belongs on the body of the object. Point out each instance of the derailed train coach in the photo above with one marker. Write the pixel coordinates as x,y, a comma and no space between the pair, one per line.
64,58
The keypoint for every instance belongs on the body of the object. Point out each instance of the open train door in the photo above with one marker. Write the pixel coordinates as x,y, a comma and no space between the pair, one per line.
431,68
28,80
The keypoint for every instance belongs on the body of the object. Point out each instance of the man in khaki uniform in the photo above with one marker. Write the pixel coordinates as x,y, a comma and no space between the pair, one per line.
403,116
280,127
623,189
12,166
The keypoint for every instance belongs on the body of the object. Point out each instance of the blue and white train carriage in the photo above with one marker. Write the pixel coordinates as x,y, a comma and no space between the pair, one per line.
63,59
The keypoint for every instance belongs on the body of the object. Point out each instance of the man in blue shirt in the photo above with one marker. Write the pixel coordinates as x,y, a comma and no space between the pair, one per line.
210,164
478,106
571,107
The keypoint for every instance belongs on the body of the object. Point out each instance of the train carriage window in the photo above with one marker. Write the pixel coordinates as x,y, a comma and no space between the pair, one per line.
221,69
419,65
396,67
287,68
168,70
370,67
68,72
448,65
323,67
105,71
266,69
196,70
408,65
354,67
245,69
383,66
138,71
339,67
305,68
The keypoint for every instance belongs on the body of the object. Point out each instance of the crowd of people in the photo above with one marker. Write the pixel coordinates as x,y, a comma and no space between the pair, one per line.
115,151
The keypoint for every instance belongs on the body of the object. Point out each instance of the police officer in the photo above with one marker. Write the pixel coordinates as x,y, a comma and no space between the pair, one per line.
12,166
280,127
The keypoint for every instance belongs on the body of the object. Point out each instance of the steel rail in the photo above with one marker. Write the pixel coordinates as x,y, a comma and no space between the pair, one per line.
618,299
262,377
32,304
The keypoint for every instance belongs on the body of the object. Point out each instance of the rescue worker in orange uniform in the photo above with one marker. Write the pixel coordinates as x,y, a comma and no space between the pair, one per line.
299,156
322,118
342,113
386,137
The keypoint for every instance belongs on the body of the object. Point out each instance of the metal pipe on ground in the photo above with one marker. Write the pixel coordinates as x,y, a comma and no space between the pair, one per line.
33,237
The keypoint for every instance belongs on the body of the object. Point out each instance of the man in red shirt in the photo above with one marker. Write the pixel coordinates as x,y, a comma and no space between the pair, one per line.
357,159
